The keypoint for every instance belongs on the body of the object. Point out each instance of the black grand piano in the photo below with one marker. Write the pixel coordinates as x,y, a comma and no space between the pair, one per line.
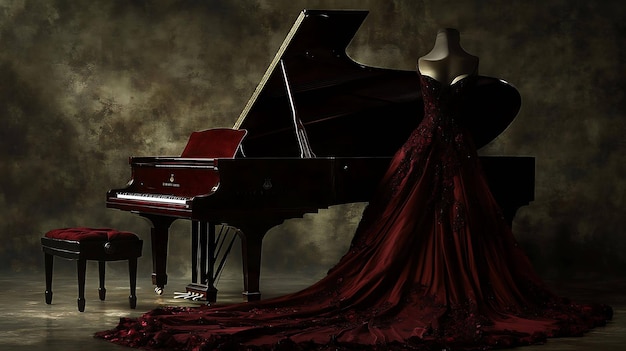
318,131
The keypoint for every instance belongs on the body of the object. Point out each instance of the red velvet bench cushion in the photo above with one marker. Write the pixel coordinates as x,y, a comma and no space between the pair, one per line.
84,233
101,244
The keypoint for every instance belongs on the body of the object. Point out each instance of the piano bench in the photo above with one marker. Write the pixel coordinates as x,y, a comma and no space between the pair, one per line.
98,244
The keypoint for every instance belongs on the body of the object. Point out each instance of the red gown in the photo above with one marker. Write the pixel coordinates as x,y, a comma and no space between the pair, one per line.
433,265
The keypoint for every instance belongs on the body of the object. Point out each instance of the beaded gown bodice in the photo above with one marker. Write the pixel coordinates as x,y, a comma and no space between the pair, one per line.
439,132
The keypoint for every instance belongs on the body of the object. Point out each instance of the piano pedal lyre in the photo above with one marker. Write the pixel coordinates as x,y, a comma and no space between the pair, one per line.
209,253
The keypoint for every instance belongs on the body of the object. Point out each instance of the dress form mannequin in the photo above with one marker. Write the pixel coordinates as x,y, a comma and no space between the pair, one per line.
447,62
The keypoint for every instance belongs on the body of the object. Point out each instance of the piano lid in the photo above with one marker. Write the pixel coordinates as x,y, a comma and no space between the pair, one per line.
349,109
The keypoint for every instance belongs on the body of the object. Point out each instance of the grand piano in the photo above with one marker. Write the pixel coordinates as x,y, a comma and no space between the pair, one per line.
319,130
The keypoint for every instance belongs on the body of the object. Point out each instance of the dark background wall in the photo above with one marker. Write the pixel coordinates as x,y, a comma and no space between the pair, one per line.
85,84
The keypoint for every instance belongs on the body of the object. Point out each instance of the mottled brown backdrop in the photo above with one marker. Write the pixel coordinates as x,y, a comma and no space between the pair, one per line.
85,84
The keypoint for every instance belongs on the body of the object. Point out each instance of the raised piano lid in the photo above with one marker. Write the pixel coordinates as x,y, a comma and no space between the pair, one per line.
349,109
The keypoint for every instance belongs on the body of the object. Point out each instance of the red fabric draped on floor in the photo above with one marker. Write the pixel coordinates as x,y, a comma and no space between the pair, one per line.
433,265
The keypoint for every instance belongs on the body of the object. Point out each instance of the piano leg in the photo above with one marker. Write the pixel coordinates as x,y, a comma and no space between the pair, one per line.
194,252
159,234
209,271
251,236
251,247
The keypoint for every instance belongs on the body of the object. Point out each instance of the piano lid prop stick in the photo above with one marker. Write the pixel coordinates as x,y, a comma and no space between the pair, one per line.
303,140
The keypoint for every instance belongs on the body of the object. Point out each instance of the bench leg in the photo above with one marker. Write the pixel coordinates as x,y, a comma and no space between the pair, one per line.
132,273
102,292
82,267
48,263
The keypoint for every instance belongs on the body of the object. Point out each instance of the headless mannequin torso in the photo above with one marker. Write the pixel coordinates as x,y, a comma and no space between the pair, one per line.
447,62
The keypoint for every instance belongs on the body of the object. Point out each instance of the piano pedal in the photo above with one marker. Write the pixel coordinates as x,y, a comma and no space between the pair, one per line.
197,297
189,296
181,295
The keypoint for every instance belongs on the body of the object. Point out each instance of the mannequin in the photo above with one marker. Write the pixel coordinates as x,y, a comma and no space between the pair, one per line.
447,62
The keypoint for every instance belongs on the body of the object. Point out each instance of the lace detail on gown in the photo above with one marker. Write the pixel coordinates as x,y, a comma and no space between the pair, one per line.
433,265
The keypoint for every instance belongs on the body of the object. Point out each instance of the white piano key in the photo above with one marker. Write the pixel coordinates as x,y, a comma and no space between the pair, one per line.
170,199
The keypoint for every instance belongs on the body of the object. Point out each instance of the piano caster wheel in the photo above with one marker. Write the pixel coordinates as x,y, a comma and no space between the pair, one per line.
158,290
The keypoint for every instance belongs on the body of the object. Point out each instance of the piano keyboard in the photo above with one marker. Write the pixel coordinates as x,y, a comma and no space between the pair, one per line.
168,199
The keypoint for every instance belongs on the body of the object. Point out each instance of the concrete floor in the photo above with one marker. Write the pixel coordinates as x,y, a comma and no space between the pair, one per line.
27,323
